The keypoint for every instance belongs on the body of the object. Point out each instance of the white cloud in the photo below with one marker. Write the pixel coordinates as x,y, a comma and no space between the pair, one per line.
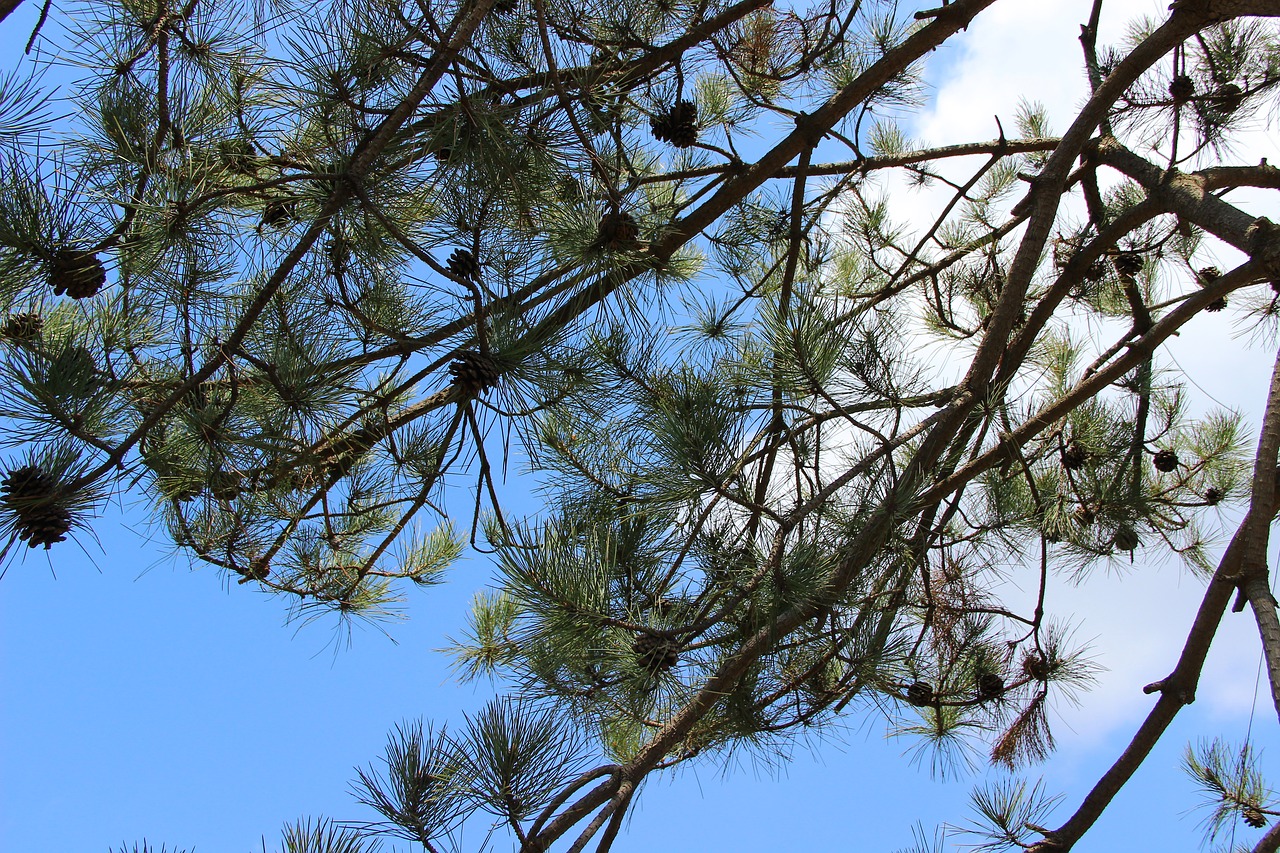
1137,619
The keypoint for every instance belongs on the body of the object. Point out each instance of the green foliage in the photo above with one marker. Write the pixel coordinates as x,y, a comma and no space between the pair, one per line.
313,284
1230,785
516,758
423,793
323,836
1006,812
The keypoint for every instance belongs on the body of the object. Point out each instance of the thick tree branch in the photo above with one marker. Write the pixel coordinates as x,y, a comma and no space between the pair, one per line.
1270,842
7,6
1255,580
1185,194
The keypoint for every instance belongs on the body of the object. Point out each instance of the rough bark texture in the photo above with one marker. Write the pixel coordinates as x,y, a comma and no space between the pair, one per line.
1255,579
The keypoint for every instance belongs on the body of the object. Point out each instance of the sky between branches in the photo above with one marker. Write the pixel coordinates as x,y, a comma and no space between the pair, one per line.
109,736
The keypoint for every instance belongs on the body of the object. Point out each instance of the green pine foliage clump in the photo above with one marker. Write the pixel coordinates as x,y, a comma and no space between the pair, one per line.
310,277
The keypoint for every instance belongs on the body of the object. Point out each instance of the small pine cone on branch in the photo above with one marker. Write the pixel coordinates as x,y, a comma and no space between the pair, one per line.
21,328
1074,456
75,273
237,156
617,232
32,496
225,485
989,685
1182,89
656,654
1129,264
1227,98
1165,461
1206,275
920,693
463,264
1216,305
1036,666
1254,817
1212,496
279,213
678,125
474,372
258,570
1126,538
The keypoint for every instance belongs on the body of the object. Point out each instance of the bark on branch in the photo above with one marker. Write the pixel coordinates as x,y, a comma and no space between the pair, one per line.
7,6
1255,579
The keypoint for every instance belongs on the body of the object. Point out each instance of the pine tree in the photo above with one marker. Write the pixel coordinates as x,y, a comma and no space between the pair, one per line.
306,280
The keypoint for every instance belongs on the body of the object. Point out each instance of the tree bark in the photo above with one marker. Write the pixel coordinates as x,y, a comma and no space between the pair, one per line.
1270,842
1255,579
7,6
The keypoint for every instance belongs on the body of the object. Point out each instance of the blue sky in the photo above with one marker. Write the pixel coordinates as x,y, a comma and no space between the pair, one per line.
157,703
142,699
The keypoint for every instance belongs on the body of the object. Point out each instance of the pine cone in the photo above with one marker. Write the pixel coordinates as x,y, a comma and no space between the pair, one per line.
569,189
474,373
463,264
279,213
678,125
1129,264
656,654
1254,817
1212,496
76,363
1206,275
920,693
617,232
1165,460
1126,538
339,254
258,570
225,485
1228,97
1182,89
1074,456
990,685
20,328
1216,305
237,156
75,273
31,495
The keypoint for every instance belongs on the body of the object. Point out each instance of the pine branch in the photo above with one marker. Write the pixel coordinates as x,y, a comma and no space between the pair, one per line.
1179,687
1255,579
